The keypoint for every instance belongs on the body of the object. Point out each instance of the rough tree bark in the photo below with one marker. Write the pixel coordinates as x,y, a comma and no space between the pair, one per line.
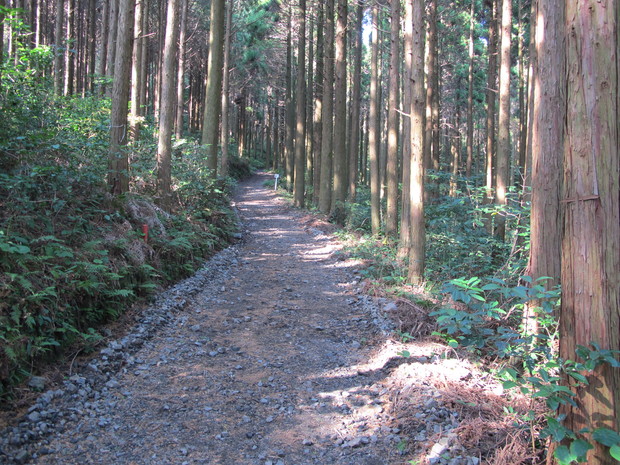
391,221
590,310
225,89
328,111
213,101
374,131
118,167
300,111
340,115
414,11
502,174
166,112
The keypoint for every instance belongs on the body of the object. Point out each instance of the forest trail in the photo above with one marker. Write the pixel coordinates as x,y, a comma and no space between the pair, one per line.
275,360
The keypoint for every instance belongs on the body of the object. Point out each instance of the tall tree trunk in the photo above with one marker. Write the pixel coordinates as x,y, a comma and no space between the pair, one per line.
328,111
144,63
374,131
180,101
405,215
340,115
213,102
354,150
548,116
431,90
318,105
70,48
92,45
470,94
502,174
118,170
102,63
391,223
415,13
167,113
136,72
225,89
309,100
300,111
58,52
112,38
590,310
290,118
491,99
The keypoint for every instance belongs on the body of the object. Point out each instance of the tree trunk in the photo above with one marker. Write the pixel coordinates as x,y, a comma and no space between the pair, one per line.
102,63
136,73
225,89
213,102
415,13
92,45
590,248
548,116
318,106
290,118
70,48
502,174
300,111
167,114
340,115
431,90
355,104
309,100
391,223
373,126
491,99
112,38
470,94
58,53
328,111
118,170
180,101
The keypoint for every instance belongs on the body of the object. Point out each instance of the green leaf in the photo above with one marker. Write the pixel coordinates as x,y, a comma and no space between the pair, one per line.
579,448
606,437
563,455
404,353
509,384
614,451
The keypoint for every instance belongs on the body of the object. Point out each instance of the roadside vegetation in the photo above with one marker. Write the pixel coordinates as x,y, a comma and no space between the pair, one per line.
73,257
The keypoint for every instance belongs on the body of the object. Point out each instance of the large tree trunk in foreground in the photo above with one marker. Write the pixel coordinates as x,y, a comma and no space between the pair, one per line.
590,247
547,134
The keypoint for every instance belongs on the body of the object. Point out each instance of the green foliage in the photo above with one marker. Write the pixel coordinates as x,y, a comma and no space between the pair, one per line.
483,319
72,257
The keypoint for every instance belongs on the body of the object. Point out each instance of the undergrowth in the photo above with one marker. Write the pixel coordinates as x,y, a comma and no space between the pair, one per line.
72,257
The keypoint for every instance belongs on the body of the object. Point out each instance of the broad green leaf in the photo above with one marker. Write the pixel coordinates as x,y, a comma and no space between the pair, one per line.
563,455
614,451
579,448
606,436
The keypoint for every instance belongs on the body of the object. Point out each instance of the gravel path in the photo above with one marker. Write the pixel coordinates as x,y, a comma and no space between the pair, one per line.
269,355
